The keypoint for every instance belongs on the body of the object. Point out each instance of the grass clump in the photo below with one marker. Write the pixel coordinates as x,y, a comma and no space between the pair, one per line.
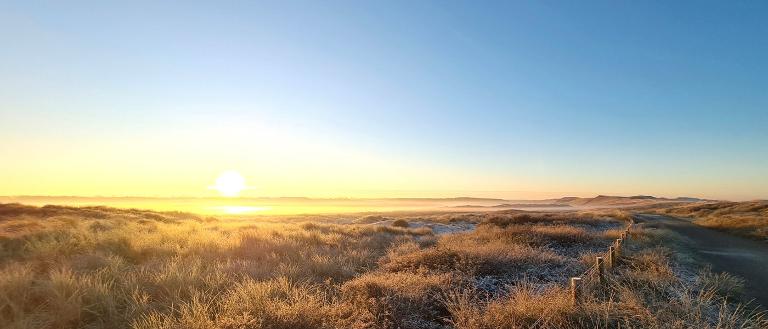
400,223
749,219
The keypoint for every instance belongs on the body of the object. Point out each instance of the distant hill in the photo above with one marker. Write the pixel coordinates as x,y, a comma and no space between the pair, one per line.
600,201
621,201
516,205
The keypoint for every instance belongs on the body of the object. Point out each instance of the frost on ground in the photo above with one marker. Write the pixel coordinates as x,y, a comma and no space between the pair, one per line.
504,249
437,228
67,267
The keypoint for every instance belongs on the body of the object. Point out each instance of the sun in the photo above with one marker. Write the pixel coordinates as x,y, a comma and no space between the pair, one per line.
230,184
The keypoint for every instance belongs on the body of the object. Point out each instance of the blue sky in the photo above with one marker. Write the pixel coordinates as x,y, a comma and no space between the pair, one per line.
361,98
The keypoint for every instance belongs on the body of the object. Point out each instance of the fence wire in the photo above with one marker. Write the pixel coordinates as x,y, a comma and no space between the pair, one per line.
591,274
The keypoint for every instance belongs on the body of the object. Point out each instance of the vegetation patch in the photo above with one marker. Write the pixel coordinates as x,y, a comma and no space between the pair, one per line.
749,219
112,268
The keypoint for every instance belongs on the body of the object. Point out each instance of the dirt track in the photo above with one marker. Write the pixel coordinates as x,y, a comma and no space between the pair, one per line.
725,252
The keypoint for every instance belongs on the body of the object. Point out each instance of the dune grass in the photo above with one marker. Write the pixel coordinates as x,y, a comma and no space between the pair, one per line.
98,267
749,219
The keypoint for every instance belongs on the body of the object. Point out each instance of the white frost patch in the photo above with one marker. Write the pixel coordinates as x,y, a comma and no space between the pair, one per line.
437,228
440,228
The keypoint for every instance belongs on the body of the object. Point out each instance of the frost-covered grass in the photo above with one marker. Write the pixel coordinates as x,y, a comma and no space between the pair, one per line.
97,267
748,218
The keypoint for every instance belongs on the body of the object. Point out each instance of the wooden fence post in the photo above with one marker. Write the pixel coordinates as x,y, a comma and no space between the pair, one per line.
618,247
600,270
612,256
575,290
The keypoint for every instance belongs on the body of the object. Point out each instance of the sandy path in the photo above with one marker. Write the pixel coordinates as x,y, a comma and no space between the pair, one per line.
725,252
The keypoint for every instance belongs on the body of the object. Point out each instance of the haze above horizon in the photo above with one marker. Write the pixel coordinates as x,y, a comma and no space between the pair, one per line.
522,100
296,205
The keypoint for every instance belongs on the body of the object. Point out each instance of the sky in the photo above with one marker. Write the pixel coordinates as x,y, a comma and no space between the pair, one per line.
513,99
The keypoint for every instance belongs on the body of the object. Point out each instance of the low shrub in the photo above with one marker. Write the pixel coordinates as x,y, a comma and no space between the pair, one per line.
400,223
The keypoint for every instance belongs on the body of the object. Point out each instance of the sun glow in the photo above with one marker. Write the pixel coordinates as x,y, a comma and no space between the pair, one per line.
237,210
230,184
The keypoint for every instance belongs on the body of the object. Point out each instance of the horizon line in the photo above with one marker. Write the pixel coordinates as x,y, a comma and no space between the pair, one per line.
352,198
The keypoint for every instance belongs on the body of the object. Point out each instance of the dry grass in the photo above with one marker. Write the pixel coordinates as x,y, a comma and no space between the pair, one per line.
646,291
400,223
748,219
96,267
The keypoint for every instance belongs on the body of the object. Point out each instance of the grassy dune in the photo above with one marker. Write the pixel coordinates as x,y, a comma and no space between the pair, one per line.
748,219
95,267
